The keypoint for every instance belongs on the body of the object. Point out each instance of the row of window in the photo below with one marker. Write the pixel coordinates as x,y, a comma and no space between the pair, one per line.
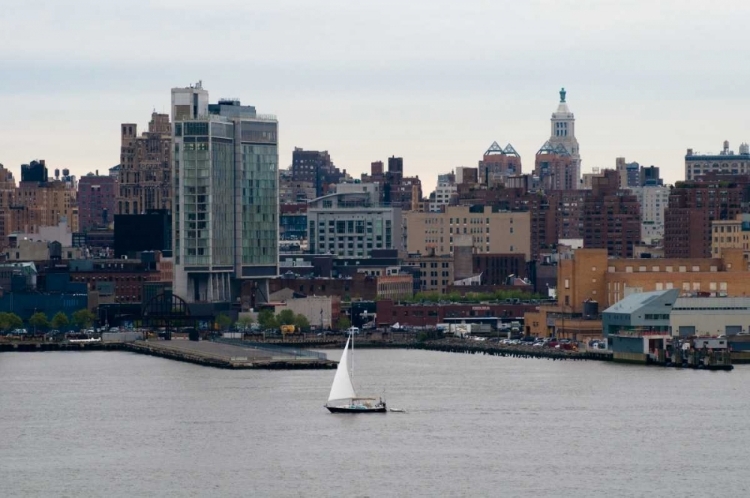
667,269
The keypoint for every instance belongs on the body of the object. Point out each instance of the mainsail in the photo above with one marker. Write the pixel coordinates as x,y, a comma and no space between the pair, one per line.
342,387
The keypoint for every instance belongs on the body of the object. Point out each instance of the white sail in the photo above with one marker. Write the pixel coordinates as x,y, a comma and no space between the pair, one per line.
342,387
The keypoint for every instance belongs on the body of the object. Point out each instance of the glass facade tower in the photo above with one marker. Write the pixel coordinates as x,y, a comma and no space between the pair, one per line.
225,174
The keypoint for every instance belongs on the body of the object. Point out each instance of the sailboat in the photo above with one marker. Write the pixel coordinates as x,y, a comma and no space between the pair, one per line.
343,398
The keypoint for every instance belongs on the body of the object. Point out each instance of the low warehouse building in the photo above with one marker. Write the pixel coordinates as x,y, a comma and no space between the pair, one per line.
710,316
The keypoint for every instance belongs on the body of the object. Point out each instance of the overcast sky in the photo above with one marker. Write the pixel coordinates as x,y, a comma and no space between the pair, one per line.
435,82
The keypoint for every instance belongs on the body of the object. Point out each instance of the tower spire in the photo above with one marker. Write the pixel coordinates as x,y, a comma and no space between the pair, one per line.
562,95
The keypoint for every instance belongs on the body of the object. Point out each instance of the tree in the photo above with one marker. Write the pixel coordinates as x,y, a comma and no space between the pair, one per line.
301,322
343,323
285,317
4,320
39,321
14,321
245,322
83,318
223,321
266,320
60,320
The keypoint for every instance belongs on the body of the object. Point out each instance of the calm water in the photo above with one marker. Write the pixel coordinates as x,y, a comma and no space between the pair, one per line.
119,424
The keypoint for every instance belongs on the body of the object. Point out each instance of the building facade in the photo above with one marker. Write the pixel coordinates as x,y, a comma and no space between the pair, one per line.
145,180
225,222
693,206
499,163
315,168
556,168
352,222
492,230
563,136
725,162
589,274
730,234
611,217
43,203
653,200
96,201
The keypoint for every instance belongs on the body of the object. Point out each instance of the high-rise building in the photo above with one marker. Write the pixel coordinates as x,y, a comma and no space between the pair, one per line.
499,163
653,200
35,171
650,176
396,165
611,217
8,195
96,201
725,162
629,173
41,202
587,179
443,193
145,167
693,206
563,134
466,175
556,168
225,219
315,167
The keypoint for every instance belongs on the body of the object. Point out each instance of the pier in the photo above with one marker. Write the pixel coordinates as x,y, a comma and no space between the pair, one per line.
206,353
229,355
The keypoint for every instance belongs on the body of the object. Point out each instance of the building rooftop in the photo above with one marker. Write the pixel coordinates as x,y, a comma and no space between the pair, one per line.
636,301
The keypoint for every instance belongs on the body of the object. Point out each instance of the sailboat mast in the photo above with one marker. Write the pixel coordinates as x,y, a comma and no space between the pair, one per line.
351,332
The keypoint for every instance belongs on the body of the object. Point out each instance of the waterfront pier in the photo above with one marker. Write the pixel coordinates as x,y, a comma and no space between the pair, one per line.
207,353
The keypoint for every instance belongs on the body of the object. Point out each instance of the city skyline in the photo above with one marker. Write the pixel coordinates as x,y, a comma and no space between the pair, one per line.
418,81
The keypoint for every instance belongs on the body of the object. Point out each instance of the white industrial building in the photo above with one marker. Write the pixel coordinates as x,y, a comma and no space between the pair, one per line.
710,316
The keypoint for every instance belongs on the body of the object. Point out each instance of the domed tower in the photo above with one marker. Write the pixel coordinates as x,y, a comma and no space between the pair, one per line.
563,132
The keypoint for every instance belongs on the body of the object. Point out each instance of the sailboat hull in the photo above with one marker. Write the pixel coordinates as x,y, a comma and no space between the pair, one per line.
356,409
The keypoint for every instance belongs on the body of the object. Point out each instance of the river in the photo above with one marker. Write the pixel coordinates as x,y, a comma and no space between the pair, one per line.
118,424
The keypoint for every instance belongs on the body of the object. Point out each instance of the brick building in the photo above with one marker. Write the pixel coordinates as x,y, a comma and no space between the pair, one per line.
145,175
394,286
499,163
730,234
725,162
315,168
358,286
429,315
556,167
587,275
8,193
694,205
611,217
119,280
495,268
43,203
96,201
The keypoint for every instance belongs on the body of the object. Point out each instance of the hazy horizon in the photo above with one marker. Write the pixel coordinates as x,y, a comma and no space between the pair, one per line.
433,82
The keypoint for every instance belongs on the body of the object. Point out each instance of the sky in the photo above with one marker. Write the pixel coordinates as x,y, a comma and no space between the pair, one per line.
434,82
